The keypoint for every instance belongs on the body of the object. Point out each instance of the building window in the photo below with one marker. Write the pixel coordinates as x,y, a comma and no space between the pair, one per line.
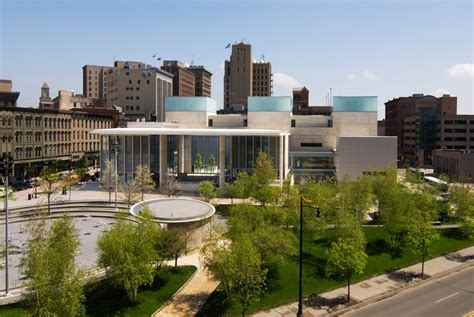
293,123
210,123
316,144
245,123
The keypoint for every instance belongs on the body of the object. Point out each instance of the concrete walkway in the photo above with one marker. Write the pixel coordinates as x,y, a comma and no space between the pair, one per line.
375,287
189,299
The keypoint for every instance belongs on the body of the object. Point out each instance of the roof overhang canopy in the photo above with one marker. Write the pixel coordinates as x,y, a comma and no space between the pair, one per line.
190,131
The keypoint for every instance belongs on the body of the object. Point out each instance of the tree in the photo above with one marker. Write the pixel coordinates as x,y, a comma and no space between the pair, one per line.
49,184
248,275
207,190
346,257
143,181
69,180
127,253
211,162
82,167
169,185
50,267
244,185
237,265
198,163
264,172
107,178
421,234
169,245
228,190
462,200
129,192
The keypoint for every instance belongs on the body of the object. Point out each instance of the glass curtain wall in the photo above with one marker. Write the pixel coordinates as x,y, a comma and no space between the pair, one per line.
133,151
245,150
205,146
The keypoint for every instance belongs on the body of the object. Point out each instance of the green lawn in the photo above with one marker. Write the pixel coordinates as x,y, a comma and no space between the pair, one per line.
284,288
103,299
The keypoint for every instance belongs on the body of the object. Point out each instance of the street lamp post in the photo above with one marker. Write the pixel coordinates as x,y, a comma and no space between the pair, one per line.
7,169
115,148
300,287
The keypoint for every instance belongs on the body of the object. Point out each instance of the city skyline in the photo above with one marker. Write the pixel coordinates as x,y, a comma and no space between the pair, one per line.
49,42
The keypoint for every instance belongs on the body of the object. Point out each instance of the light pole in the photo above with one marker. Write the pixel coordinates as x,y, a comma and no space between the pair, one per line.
7,170
300,288
115,148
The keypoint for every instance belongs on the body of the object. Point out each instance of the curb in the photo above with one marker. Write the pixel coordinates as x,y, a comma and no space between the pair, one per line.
389,294
176,293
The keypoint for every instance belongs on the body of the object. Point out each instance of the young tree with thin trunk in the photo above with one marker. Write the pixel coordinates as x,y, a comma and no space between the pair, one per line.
462,200
49,263
198,163
346,258
127,253
211,163
170,244
129,193
169,186
107,178
143,181
421,234
49,184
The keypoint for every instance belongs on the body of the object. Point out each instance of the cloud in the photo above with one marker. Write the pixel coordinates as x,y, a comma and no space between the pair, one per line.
366,74
283,84
351,76
462,71
440,92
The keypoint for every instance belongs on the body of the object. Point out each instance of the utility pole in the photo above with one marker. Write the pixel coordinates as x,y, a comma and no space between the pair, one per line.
6,171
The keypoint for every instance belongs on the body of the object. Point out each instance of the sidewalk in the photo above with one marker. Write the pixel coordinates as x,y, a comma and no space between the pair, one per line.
188,300
375,287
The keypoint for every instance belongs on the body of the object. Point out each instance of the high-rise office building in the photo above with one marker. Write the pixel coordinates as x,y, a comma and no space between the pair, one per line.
139,89
94,81
426,106
244,77
202,79
183,79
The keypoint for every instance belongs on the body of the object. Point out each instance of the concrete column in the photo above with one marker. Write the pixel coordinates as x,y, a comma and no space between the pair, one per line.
282,158
181,154
221,160
163,156
188,157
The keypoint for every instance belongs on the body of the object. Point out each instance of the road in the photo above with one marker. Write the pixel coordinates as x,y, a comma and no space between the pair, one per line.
450,296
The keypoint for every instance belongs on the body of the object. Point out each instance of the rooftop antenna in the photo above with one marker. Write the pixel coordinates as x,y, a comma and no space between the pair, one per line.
192,60
263,57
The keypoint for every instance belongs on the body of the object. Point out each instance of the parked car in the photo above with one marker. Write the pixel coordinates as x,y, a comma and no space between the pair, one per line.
30,183
19,185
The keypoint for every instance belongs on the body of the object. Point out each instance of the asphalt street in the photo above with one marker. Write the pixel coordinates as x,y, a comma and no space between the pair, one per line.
450,296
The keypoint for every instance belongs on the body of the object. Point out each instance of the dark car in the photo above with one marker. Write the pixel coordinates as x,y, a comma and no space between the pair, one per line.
19,185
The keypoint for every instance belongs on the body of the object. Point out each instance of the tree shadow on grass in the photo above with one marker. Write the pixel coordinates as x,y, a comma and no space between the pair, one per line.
453,233
377,247
314,266
216,305
104,299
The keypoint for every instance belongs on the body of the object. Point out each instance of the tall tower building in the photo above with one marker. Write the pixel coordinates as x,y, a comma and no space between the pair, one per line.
244,77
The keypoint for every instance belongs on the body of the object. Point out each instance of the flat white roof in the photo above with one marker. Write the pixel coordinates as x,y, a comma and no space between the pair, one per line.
190,131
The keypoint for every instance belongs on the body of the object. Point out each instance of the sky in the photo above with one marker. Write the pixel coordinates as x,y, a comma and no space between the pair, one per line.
386,48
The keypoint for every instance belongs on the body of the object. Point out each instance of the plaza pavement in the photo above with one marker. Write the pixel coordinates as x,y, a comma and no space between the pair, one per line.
375,288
